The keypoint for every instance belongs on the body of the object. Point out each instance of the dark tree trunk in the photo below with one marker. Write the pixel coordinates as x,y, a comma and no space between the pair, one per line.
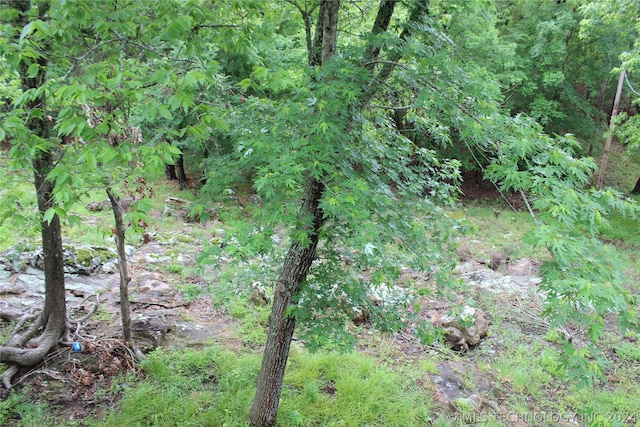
300,257
170,171
281,327
125,312
51,323
182,177
177,172
55,305
636,189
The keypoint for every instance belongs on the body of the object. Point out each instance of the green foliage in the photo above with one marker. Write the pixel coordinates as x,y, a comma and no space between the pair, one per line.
16,213
584,281
549,80
628,351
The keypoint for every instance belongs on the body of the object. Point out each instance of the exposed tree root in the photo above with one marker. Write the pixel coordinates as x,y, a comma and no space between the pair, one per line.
31,346
7,375
88,314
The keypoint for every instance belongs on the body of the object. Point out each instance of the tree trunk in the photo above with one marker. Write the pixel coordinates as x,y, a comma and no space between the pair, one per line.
170,171
607,145
636,189
281,327
298,260
182,177
125,312
51,323
54,303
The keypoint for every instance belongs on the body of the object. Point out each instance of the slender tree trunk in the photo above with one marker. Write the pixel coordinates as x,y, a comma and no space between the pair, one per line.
607,145
125,312
300,257
281,327
55,305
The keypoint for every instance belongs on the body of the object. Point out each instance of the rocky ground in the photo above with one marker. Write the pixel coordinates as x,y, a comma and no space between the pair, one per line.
162,316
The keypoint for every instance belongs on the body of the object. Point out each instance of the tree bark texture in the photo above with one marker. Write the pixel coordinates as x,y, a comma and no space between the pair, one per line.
281,326
54,314
125,312
182,176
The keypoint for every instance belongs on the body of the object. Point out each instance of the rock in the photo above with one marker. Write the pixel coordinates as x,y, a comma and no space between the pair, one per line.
497,260
14,260
478,276
464,253
84,260
523,268
98,206
465,330
463,387
258,295
110,267
149,331
125,202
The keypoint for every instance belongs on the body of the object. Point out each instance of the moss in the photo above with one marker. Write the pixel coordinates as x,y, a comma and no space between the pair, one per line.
84,256
103,253
183,238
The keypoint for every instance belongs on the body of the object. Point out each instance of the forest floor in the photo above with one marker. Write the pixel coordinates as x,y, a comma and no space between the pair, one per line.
172,307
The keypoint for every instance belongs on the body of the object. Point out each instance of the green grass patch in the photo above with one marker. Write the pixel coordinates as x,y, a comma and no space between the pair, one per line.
215,388
623,230
18,410
501,233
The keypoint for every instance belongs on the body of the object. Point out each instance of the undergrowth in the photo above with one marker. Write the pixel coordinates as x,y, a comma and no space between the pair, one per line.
215,387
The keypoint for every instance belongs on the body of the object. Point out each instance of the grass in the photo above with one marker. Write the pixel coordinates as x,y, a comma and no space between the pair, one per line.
502,233
18,406
321,389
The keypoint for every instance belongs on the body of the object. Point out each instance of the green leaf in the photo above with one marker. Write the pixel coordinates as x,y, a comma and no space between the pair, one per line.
48,215
245,84
164,112
74,220
33,70
26,30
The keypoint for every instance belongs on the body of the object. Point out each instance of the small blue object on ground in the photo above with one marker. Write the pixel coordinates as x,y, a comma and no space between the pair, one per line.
76,347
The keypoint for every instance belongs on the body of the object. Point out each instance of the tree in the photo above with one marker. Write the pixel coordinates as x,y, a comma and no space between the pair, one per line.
88,106
30,58
300,256
334,131
621,18
583,282
559,77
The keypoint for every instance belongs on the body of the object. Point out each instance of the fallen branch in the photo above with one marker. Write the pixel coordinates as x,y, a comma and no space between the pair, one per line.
92,310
